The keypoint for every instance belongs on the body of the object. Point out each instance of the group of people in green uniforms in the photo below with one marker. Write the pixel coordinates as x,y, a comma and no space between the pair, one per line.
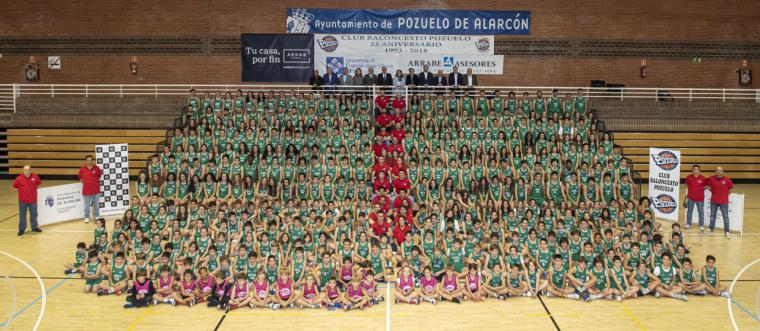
457,197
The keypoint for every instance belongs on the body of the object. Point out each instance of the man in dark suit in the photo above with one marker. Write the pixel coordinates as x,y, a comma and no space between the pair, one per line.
470,80
330,80
316,81
425,78
370,78
412,81
384,78
439,81
455,78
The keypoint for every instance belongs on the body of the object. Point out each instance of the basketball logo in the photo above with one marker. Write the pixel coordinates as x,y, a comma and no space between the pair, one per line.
483,45
666,160
328,44
665,203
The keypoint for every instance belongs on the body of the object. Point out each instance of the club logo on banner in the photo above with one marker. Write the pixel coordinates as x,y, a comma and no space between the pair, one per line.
114,185
428,21
60,203
664,181
276,57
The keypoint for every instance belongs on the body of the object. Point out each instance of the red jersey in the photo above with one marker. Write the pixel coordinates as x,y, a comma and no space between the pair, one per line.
399,233
382,101
90,178
379,228
696,187
27,187
401,184
720,188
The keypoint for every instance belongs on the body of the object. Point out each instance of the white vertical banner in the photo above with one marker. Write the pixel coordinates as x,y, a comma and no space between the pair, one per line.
60,203
114,185
735,212
664,181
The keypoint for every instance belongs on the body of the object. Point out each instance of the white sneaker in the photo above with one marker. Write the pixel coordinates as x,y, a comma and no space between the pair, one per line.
686,226
573,296
728,236
618,298
87,220
725,294
702,228
433,301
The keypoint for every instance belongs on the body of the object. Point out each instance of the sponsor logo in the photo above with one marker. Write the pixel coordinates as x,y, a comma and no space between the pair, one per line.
449,62
483,45
336,63
665,203
328,44
666,160
296,55
49,201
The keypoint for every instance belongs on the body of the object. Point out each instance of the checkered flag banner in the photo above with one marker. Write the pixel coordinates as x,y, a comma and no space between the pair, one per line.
114,185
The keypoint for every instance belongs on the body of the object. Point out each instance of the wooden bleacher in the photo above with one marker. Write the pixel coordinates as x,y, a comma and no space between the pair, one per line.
62,151
738,153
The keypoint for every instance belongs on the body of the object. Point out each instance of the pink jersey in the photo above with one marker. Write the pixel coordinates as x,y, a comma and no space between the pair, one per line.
332,292
309,293
165,283
428,285
346,274
355,293
285,289
261,289
188,288
241,291
207,286
406,285
143,288
369,287
220,287
450,284
473,282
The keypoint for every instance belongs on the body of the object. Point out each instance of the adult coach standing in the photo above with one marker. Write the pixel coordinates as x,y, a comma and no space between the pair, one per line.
26,184
720,186
89,175
695,196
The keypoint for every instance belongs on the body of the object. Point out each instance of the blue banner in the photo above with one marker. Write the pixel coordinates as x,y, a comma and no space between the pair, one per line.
276,57
408,21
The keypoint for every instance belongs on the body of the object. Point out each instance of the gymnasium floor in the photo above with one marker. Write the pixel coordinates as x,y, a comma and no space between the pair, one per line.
68,308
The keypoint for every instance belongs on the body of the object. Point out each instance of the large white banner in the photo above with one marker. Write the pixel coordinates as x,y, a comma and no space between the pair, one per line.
59,203
390,44
664,180
114,185
735,212
480,64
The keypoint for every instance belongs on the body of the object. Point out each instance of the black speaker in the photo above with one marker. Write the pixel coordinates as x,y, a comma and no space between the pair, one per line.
598,83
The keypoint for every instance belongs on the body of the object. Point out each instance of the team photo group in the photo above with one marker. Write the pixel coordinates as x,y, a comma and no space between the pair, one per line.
321,199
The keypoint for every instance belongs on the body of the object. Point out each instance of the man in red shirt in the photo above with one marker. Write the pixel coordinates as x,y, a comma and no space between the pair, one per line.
26,184
401,183
695,195
720,186
380,226
89,175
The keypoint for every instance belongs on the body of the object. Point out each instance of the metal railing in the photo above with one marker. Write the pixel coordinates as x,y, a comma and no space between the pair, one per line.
9,93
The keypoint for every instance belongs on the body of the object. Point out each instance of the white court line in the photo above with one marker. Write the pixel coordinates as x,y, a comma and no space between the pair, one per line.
721,234
731,290
388,306
52,231
13,307
42,288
